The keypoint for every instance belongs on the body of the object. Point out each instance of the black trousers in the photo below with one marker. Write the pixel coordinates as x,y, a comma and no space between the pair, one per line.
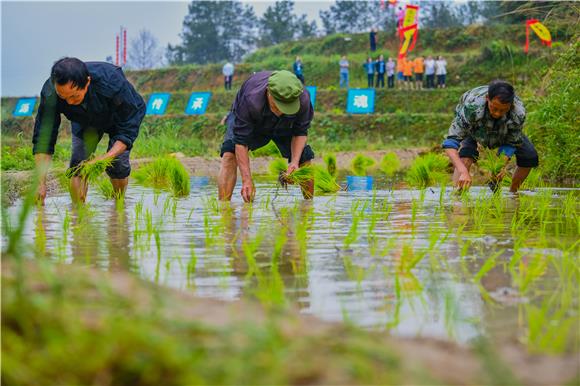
391,81
370,80
380,80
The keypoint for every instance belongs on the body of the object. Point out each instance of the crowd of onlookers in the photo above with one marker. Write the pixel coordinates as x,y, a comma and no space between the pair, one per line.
404,73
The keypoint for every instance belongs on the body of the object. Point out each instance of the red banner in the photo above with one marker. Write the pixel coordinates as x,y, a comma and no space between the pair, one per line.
540,30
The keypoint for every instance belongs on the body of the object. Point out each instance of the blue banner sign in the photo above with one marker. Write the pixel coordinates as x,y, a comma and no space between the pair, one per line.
360,101
24,107
198,102
312,91
157,103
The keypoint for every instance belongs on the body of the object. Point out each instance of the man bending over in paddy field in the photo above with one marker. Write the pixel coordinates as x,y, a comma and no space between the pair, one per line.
97,98
492,116
269,106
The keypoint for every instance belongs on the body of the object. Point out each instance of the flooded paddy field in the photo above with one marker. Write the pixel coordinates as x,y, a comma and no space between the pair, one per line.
427,263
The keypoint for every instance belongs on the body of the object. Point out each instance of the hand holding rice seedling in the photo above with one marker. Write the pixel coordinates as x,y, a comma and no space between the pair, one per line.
90,170
495,164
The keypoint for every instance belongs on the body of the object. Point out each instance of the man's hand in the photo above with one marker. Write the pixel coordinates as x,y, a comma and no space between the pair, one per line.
464,180
248,190
41,193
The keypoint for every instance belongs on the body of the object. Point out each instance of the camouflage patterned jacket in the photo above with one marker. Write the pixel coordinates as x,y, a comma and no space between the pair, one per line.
472,120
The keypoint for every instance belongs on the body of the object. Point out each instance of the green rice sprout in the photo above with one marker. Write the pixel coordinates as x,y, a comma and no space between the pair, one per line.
427,170
390,164
361,164
105,187
324,182
165,173
90,171
493,163
330,161
278,167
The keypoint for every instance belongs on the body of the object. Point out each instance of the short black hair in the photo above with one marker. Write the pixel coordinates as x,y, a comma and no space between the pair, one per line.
70,70
501,89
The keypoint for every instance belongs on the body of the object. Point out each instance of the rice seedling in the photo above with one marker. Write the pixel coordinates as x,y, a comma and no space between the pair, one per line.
330,161
494,164
279,166
390,164
361,164
487,266
428,170
105,187
324,182
165,173
90,171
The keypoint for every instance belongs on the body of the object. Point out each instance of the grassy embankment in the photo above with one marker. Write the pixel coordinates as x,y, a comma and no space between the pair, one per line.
476,55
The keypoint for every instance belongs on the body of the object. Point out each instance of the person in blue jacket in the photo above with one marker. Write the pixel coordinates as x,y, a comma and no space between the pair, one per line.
97,99
299,69
381,68
370,69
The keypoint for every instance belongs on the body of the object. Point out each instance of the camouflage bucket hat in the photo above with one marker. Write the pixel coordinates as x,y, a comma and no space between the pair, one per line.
286,89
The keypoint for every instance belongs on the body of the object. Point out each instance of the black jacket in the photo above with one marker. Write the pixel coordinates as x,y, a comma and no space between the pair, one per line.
111,105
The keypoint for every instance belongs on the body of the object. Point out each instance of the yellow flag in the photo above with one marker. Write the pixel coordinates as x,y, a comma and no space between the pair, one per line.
408,31
540,30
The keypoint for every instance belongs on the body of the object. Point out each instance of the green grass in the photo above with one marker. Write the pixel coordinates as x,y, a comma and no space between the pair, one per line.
361,164
390,164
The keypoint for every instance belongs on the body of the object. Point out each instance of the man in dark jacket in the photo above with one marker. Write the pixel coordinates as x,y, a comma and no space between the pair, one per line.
269,106
97,98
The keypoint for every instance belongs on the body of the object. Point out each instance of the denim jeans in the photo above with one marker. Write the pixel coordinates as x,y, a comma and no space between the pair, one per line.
344,79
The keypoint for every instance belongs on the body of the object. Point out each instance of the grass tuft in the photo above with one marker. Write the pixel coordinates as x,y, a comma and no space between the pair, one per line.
361,164
390,164
165,173
428,169
324,182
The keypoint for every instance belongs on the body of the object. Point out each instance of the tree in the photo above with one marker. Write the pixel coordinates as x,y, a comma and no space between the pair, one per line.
214,31
144,51
357,16
280,24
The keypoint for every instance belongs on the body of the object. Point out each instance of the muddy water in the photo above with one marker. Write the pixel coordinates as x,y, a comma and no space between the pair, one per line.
416,263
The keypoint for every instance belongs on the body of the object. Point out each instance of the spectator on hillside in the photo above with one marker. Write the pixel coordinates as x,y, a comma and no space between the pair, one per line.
269,106
419,67
343,72
228,71
381,69
408,73
370,70
299,69
493,117
97,99
391,73
400,77
430,71
441,71
373,39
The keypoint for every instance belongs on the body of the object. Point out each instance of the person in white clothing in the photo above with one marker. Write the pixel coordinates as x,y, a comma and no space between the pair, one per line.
228,71
441,71
430,71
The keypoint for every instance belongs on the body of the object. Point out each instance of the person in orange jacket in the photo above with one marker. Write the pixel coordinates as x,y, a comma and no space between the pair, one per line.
408,73
419,70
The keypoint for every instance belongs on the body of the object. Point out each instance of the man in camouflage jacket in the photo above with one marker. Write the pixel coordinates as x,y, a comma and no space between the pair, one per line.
492,116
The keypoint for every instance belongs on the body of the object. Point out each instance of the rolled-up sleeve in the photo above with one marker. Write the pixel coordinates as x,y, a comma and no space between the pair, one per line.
128,115
46,123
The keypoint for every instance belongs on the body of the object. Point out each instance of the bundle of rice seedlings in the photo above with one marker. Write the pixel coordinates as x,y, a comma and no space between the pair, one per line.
279,166
428,169
330,161
90,171
361,164
164,173
105,187
493,163
390,163
324,182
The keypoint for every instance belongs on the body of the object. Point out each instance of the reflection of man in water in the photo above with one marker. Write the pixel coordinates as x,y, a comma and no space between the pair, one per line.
118,239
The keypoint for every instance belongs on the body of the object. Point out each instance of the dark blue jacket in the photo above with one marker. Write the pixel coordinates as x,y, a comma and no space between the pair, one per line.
111,104
381,67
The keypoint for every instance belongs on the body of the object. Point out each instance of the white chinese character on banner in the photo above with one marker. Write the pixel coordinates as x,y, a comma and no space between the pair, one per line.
197,103
361,101
24,108
157,103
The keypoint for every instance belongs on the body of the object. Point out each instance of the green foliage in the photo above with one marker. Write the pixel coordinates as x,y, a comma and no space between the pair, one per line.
552,124
165,173
330,161
427,170
390,163
361,164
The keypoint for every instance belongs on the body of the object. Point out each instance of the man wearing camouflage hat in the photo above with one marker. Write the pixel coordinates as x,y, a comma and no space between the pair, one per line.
493,117
269,106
